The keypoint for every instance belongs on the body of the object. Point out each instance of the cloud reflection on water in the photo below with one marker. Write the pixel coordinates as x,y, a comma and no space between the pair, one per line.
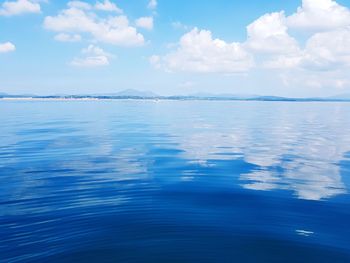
300,154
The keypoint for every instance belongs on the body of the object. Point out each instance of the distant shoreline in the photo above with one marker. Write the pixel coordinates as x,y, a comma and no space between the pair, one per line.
49,99
169,98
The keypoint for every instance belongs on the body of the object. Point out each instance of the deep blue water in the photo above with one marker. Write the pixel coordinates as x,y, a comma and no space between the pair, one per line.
174,181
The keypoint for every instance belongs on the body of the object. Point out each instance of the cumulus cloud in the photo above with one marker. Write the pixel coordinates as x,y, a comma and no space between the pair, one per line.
108,6
92,56
62,37
328,50
269,41
318,15
112,29
268,34
286,61
145,22
7,47
270,45
198,52
152,4
12,8
79,4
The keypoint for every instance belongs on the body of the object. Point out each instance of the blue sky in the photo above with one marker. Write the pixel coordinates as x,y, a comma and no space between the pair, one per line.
288,48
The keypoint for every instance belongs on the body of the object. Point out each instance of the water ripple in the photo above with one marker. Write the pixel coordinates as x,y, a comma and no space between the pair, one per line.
175,181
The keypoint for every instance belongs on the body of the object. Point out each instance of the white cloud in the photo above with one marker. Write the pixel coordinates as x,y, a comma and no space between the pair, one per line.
324,51
198,52
79,4
268,34
7,47
92,56
63,37
270,44
145,22
269,41
319,15
152,4
71,20
108,6
11,8
283,61
112,29
328,50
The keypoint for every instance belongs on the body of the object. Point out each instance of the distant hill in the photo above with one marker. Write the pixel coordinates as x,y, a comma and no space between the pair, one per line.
345,96
3,94
137,94
131,93
222,95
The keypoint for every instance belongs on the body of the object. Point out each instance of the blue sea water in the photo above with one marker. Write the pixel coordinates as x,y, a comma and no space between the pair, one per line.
174,181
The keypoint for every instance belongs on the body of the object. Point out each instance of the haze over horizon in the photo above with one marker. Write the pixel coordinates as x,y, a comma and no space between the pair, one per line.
286,48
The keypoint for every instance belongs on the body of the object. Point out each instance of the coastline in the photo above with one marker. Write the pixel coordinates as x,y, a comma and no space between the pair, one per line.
172,98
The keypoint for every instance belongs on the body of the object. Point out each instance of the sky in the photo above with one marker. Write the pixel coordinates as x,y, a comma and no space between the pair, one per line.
294,48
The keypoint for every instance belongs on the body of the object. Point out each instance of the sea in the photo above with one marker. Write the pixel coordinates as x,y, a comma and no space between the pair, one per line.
174,181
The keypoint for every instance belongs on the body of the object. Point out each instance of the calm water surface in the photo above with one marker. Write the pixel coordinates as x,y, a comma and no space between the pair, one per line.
174,181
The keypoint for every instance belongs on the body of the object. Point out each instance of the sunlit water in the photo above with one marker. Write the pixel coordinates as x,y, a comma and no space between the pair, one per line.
174,181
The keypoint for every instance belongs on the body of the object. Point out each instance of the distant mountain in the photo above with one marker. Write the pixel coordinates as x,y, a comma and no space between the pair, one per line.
132,93
345,96
136,94
273,98
60,95
124,93
3,94
222,95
